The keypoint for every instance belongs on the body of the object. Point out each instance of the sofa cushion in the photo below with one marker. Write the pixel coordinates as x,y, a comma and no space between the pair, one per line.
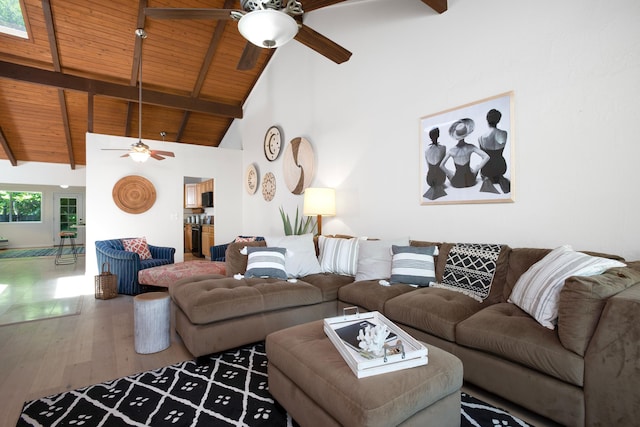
266,262
432,310
537,291
413,265
328,283
338,255
210,299
581,303
237,261
508,332
370,295
300,258
374,258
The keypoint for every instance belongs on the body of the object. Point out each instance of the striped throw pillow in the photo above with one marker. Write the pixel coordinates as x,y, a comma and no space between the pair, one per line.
266,262
338,256
413,265
537,291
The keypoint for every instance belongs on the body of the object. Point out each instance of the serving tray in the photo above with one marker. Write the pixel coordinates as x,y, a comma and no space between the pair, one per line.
410,354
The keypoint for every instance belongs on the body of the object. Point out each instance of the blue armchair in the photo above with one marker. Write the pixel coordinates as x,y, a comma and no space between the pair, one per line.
126,264
218,251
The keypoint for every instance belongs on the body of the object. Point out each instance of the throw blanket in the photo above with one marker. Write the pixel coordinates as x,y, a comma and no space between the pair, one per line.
470,269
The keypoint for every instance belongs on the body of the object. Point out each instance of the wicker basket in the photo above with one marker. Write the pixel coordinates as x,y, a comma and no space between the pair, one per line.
106,283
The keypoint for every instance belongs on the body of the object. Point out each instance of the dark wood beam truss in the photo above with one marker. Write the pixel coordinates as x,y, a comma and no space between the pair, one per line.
55,56
113,90
7,150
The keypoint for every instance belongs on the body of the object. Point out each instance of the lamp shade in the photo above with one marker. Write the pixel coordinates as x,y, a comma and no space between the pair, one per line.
139,156
319,201
268,28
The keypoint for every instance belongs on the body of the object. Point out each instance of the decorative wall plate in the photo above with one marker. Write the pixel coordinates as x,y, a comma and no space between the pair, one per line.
251,179
298,165
268,186
134,194
272,143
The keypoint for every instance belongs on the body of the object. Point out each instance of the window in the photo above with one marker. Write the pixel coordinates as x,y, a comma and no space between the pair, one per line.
12,19
20,206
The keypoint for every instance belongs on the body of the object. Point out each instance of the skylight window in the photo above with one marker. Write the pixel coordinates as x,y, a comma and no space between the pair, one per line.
12,19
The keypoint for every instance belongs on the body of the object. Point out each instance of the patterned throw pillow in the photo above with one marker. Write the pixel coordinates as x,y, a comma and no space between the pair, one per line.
537,291
470,268
413,265
338,256
266,262
137,245
244,239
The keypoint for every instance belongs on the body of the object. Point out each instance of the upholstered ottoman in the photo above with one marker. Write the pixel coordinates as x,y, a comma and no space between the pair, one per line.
166,275
311,380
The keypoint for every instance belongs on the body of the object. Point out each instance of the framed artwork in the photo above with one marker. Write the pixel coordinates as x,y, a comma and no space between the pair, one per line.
467,153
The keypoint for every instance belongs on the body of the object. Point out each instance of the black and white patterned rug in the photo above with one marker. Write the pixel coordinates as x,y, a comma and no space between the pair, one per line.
230,389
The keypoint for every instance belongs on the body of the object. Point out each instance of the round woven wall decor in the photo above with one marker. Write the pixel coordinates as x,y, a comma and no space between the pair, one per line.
134,194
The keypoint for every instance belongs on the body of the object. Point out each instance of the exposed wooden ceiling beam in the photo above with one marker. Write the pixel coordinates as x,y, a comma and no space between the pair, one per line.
439,6
204,68
55,56
7,150
114,90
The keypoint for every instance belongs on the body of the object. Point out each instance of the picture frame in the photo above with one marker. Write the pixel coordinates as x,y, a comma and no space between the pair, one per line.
467,153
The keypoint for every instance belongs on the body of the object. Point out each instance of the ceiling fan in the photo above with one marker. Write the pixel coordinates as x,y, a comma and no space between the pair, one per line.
140,152
266,24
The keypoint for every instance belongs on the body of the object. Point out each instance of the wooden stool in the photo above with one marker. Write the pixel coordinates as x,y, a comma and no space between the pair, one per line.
152,322
68,259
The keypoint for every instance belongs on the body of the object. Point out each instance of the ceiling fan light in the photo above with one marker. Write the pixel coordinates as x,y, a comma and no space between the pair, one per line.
268,28
139,156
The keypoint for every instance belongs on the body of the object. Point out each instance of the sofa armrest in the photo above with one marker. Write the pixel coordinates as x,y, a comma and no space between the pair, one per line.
218,251
612,363
161,252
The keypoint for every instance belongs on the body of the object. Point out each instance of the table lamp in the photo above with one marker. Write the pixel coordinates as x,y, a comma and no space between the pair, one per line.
319,201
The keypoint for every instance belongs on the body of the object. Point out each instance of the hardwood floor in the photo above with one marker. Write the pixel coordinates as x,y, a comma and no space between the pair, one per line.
43,357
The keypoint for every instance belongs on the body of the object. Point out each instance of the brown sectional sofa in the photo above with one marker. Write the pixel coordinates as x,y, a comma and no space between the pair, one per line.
584,373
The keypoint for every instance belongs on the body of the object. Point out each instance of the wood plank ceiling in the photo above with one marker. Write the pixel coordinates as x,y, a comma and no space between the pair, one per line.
78,73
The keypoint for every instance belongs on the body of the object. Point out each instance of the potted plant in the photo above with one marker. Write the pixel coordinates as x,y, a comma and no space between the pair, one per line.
299,226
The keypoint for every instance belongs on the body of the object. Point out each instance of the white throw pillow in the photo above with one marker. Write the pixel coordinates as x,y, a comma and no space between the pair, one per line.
374,258
338,256
301,257
537,291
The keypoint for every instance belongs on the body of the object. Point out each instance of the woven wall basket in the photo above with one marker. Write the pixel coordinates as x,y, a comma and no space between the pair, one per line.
134,194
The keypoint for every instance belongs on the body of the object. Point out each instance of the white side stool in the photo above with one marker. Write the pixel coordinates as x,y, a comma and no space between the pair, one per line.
152,322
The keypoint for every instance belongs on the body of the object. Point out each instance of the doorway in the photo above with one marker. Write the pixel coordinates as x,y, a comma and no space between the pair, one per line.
69,216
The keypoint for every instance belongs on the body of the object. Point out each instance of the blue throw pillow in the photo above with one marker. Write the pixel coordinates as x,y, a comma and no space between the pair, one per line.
266,262
413,265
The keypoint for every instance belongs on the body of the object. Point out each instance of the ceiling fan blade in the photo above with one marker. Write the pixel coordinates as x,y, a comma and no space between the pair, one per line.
156,156
115,149
187,13
249,57
163,153
322,45
125,155
309,5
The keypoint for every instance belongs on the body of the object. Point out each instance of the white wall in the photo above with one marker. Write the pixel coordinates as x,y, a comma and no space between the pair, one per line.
573,66
162,224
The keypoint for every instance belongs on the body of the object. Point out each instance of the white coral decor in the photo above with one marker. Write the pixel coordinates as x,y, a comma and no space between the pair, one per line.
372,339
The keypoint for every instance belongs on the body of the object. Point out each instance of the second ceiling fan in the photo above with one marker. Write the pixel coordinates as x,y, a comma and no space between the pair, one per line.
266,24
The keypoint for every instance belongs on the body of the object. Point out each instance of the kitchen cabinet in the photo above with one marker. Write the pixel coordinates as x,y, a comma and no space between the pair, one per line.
192,196
187,238
207,240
